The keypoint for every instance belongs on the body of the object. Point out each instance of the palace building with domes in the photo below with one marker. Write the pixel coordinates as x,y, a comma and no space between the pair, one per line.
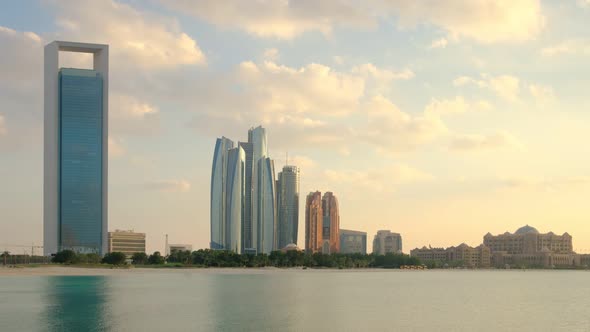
528,247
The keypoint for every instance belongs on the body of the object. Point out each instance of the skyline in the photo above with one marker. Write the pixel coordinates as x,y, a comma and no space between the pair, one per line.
437,127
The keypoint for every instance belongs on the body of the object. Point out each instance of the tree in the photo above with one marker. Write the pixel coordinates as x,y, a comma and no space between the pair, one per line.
65,257
114,258
140,258
5,256
156,258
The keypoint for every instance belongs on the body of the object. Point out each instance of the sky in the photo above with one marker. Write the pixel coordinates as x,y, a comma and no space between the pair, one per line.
440,120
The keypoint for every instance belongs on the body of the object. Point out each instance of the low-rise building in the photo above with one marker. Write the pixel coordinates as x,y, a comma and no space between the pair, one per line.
352,242
127,242
462,254
387,242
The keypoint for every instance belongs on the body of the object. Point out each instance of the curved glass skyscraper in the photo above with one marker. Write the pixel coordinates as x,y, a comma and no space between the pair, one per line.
267,226
235,199
218,192
257,138
243,196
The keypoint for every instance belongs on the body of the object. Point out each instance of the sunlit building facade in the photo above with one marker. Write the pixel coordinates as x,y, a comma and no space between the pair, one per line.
288,205
353,242
461,255
313,222
528,247
322,223
330,224
75,214
127,242
387,242
247,245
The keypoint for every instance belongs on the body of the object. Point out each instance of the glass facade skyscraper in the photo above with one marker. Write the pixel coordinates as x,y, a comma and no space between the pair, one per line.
288,205
256,137
235,199
267,214
219,192
243,183
75,193
247,244
80,178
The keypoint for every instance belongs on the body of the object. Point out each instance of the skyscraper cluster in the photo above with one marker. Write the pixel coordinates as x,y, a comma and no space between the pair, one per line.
322,223
251,211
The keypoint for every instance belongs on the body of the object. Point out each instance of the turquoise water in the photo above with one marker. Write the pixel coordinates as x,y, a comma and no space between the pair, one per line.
299,300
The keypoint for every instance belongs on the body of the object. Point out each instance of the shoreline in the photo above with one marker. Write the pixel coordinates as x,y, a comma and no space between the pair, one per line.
72,270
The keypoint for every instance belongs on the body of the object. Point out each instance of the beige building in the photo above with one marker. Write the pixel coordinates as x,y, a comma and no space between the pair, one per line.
528,247
463,254
387,242
127,242
353,242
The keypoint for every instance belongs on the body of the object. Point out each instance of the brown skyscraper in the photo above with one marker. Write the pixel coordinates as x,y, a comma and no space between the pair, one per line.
313,222
331,224
322,223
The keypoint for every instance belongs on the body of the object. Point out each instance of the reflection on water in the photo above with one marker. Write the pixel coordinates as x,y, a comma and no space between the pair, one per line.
297,300
76,303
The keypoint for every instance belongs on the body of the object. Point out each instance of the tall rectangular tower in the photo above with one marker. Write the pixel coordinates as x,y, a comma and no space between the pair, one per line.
287,205
75,193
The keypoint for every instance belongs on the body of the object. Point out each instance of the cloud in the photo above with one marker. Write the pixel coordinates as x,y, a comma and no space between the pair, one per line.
116,149
378,179
314,88
3,130
368,70
391,129
130,116
169,185
544,183
21,60
570,46
455,106
276,19
542,94
439,43
485,21
506,87
271,54
135,38
469,143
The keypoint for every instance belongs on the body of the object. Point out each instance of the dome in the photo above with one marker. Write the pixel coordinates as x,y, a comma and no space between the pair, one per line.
527,229
291,246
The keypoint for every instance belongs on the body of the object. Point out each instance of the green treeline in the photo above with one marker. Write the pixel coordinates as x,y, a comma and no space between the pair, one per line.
222,258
